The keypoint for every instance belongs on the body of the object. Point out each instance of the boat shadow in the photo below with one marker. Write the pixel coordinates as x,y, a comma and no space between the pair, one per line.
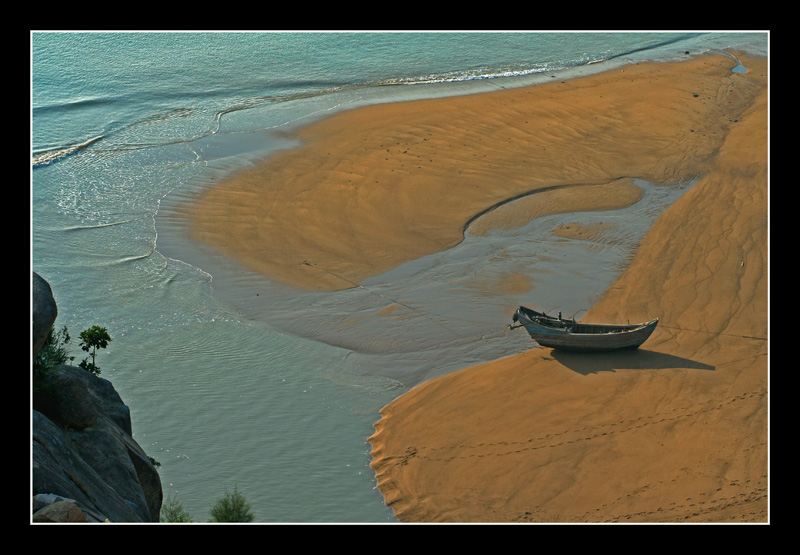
625,359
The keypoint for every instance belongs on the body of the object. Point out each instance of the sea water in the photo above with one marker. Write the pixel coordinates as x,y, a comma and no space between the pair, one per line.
232,382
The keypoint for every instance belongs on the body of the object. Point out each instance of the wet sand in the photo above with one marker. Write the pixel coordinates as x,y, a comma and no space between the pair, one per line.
673,432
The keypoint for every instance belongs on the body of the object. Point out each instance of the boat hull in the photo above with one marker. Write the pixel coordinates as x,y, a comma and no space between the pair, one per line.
569,335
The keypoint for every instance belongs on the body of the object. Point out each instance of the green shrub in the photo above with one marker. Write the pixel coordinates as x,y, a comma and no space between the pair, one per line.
53,353
232,507
173,511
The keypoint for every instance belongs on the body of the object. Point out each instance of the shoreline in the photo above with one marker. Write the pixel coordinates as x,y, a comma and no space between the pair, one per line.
364,194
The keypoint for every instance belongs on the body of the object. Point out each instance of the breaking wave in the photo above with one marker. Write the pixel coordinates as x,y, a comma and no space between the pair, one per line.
47,157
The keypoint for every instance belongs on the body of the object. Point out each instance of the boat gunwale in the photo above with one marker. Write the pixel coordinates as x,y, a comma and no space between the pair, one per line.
561,327
560,334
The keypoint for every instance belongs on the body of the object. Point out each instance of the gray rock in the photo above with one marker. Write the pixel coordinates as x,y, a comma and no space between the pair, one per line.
44,311
101,468
66,398
60,468
86,465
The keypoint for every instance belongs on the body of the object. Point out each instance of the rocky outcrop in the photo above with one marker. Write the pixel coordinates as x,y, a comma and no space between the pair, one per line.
44,311
86,465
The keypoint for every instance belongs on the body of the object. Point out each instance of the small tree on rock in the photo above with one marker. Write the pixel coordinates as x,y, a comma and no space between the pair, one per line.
92,339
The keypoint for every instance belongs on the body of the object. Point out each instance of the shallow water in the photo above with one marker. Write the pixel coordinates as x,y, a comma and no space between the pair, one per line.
450,309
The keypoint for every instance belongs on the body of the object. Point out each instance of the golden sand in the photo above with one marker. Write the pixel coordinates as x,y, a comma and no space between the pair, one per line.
614,195
674,432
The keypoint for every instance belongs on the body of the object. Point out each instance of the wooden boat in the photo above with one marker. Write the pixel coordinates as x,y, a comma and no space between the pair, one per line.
569,335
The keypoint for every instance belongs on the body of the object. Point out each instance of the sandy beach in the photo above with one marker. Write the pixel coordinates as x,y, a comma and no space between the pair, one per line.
674,432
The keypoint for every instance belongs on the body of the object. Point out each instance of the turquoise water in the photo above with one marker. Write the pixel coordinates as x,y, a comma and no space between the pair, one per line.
278,397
